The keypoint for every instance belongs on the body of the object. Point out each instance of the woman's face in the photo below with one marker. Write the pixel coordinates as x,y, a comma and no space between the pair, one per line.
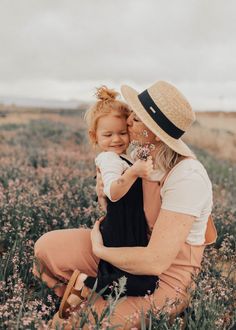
139,132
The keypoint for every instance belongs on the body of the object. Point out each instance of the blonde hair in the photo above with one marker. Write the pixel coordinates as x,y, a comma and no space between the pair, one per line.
106,104
165,158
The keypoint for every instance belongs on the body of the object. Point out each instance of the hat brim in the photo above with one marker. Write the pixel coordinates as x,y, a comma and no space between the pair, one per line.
131,97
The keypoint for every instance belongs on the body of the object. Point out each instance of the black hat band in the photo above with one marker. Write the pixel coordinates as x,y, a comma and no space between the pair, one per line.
158,116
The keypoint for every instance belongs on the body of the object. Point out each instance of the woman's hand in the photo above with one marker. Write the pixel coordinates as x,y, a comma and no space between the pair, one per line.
99,190
96,238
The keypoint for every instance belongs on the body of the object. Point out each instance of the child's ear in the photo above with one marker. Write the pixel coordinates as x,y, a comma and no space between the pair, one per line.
92,136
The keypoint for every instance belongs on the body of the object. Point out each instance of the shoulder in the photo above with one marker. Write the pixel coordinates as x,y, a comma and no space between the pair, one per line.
107,156
189,171
110,161
187,189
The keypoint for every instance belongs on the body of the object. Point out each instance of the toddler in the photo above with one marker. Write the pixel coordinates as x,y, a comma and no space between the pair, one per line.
125,223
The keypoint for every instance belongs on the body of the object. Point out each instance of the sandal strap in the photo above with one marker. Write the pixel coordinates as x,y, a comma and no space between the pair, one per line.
66,310
78,293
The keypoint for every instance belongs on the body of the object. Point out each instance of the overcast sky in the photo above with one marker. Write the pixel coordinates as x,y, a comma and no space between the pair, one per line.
61,49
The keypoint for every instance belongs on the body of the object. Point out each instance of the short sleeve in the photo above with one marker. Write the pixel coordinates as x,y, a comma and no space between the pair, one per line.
187,191
111,167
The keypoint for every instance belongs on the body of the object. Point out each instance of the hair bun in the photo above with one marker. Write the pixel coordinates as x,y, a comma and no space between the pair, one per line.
105,94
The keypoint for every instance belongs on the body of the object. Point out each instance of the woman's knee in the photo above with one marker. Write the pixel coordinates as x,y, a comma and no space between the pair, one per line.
40,253
41,245
65,250
46,250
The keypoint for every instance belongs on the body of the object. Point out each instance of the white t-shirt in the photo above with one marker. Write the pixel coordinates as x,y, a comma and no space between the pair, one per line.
187,189
111,167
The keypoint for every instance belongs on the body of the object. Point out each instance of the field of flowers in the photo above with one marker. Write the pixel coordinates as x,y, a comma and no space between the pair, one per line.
47,182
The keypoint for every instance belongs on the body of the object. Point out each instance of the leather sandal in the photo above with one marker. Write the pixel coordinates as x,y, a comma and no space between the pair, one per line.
65,308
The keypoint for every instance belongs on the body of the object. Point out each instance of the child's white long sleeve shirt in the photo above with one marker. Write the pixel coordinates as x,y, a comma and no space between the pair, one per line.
111,167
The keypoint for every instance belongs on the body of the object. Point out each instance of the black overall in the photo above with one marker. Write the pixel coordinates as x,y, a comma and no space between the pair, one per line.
124,225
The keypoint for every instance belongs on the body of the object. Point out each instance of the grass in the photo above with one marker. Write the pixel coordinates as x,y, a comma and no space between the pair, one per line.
46,183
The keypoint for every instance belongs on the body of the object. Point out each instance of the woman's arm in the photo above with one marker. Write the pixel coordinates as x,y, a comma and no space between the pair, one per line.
99,190
169,233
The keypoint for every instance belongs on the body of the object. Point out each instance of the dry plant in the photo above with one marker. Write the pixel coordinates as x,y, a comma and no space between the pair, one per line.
216,133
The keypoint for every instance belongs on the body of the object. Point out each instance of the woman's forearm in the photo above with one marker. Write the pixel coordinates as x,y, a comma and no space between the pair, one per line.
169,234
121,186
134,260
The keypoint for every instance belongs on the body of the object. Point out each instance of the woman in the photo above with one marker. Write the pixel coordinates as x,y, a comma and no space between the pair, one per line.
177,203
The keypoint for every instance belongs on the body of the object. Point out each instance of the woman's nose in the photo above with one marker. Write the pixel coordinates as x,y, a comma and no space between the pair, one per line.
130,120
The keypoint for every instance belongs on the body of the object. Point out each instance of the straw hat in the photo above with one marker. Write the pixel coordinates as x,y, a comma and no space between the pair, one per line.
165,111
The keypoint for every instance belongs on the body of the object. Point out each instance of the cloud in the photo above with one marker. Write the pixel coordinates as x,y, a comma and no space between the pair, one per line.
142,41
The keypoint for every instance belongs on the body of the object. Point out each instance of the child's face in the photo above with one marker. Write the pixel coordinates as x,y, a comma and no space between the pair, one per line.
112,134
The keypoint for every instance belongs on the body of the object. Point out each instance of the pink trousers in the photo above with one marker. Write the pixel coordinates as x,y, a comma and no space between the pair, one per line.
60,252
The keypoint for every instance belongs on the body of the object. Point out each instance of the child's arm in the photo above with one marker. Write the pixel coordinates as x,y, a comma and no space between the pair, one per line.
121,186
116,184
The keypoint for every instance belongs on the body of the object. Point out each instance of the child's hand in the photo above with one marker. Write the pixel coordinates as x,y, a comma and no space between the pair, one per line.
142,168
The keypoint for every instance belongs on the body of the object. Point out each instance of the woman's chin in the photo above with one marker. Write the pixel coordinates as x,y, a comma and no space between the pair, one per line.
133,137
